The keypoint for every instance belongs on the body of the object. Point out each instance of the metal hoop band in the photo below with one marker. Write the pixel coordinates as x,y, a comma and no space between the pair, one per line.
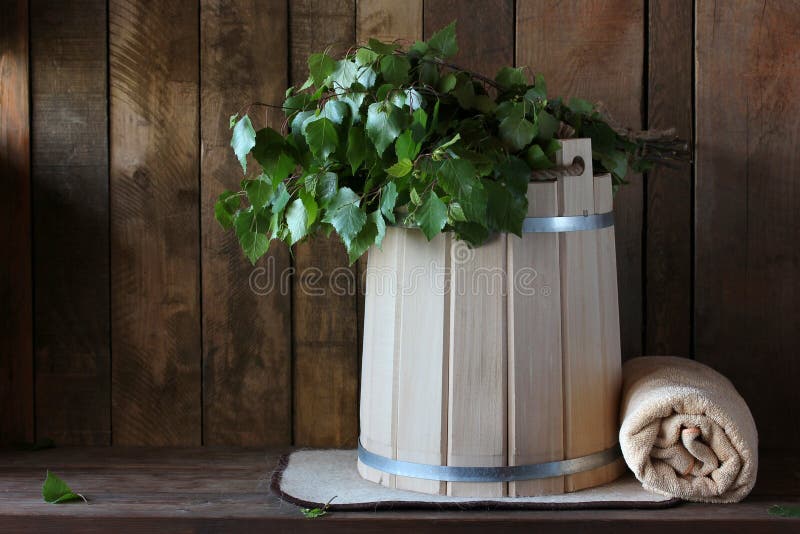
574,223
488,474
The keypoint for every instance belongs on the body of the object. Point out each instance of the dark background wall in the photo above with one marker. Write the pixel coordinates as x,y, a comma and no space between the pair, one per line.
127,315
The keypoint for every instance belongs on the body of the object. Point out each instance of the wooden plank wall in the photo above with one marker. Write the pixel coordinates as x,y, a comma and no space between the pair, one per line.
129,317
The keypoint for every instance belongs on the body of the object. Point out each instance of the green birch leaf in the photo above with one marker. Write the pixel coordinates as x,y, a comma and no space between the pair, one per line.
259,191
335,111
56,491
272,152
322,138
401,168
537,159
365,56
327,187
548,125
447,83
311,208
232,120
382,127
580,106
320,66
242,140
381,48
344,214
377,218
459,179
388,200
444,41
515,129
297,220
356,148
431,215
505,210
363,240
251,230
509,77
784,511
395,69
226,205
405,147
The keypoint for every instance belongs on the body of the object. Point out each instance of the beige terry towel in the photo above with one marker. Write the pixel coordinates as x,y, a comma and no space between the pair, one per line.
686,431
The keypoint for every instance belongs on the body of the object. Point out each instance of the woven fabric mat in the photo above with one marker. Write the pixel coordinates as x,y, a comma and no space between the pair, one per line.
310,478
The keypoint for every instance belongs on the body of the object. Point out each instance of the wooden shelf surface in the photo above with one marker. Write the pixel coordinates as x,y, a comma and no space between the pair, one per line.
211,490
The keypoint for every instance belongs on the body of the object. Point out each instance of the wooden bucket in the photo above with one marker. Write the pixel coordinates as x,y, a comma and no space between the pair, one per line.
503,359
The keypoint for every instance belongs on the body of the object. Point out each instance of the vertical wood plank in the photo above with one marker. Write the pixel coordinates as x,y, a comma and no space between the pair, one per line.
611,378
535,394
478,363
593,49
325,313
668,254
422,358
387,20
246,310
69,147
485,31
16,345
155,319
747,223
584,392
379,380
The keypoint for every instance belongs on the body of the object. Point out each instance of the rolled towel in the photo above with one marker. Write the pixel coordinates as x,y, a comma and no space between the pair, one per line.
686,432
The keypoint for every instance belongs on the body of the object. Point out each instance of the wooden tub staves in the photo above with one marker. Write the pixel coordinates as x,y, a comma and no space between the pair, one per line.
496,370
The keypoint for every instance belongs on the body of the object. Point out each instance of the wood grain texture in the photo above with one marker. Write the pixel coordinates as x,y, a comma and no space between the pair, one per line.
324,292
422,356
69,149
747,224
611,377
478,366
222,490
668,254
379,379
16,332
155,316
597,54
586,398
246,310
485,31
389,21
535,383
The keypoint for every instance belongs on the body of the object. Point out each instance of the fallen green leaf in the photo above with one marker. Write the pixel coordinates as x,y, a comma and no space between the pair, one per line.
784,511
313,513
56,491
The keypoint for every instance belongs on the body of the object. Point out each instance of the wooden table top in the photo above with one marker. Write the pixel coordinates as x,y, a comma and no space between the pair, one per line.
211,490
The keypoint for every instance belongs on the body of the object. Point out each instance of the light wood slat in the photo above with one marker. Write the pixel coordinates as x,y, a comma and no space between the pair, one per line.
535,401
478,367
609,317
381,320
246,309
155,257
422,356
584,389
